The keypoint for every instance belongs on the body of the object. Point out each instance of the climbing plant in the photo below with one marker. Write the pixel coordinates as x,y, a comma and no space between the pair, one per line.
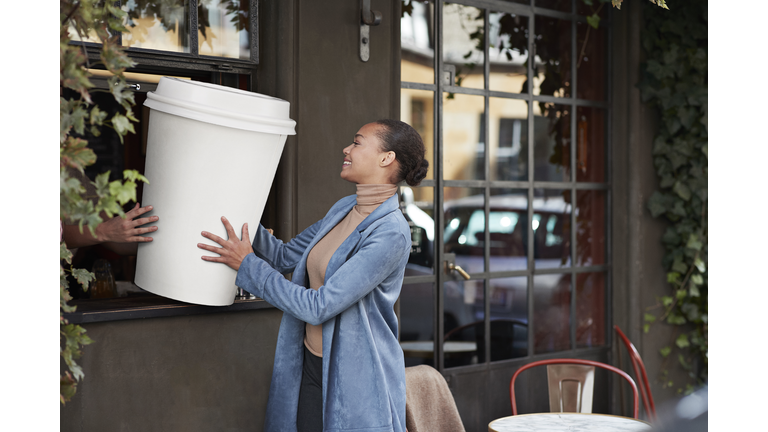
97,21
674,82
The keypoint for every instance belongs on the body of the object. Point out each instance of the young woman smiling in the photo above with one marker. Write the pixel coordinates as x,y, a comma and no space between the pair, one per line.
338,365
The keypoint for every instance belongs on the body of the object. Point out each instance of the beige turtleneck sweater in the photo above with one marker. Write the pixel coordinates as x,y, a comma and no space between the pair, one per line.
369,197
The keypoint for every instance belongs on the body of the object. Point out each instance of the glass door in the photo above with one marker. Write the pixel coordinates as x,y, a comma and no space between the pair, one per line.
509,228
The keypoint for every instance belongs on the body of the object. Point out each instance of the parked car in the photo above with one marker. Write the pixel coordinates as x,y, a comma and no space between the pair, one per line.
464,235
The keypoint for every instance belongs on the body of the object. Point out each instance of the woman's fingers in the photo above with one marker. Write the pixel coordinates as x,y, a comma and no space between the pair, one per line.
213,237
245,235
230,231
210,248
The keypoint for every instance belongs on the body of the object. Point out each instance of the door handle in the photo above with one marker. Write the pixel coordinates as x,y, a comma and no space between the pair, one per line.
458,269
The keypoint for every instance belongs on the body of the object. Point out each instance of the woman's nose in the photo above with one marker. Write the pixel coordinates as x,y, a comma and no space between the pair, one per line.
345,150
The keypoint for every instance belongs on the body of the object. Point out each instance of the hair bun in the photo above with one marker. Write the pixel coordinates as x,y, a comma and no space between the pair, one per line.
417,174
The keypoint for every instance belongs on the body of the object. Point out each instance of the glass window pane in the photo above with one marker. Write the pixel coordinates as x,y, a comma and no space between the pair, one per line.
552,142
553,57
591,66
464,231
590,227
508,229
558,5
463,43
417,207
551,226
463,146
224,28
417,322
508,52
417,43
508,137
464,315
590,148
417,108
551,313
509,317
590,310
157,25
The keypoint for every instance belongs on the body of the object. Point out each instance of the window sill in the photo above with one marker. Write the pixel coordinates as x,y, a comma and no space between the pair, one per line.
148,306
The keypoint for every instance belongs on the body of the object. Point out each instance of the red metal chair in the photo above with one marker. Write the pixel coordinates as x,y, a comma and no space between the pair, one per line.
642,378
573,361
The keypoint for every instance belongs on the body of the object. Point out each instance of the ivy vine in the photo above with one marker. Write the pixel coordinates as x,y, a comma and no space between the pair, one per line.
78,115
674,82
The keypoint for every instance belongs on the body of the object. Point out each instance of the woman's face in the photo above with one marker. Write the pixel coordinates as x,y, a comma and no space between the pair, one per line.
362,158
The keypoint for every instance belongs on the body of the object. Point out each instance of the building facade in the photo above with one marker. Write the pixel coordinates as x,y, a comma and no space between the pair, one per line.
540,155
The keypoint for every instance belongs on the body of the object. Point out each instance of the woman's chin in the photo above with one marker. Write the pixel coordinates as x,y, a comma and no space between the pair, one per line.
344,175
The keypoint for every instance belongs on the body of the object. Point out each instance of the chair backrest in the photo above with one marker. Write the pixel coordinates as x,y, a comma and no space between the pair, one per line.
642,378
570,387
429,404
573,361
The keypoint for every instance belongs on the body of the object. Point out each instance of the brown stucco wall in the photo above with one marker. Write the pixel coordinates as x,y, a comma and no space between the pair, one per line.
186,373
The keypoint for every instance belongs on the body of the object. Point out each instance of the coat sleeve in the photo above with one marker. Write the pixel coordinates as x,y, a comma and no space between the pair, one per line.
379,256
283,257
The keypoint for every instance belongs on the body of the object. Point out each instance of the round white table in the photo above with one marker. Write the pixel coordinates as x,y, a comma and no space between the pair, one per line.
425,349
567,422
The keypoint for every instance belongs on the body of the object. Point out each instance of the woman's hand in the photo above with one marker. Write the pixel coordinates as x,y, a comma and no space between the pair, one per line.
125,230
232,251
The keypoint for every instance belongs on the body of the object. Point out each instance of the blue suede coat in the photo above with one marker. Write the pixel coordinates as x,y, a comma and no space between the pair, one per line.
363,366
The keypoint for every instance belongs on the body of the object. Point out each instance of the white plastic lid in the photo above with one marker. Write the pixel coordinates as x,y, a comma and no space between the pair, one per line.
220,105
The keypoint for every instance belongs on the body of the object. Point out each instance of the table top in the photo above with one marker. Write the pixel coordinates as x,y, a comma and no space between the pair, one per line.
567,422
426,348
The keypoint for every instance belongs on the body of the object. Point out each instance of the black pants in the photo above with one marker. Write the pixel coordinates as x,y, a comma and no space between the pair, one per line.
310,412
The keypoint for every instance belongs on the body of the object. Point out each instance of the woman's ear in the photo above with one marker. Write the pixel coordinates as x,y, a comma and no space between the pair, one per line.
387,159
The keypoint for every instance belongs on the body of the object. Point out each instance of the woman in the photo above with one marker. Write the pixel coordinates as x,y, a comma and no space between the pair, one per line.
338,365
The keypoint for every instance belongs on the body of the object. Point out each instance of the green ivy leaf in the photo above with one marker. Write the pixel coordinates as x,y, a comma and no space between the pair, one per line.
667,301
593,20
675,319
680,294
75,154
693,290
682,190
64,253
673,277
679,266
122,125
123,192
694,242
691,311
682,341
134,176
646,328
697,279
83,277
665,351
700,265
650,318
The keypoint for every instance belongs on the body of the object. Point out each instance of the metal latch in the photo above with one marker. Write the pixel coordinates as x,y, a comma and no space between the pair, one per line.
368,18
